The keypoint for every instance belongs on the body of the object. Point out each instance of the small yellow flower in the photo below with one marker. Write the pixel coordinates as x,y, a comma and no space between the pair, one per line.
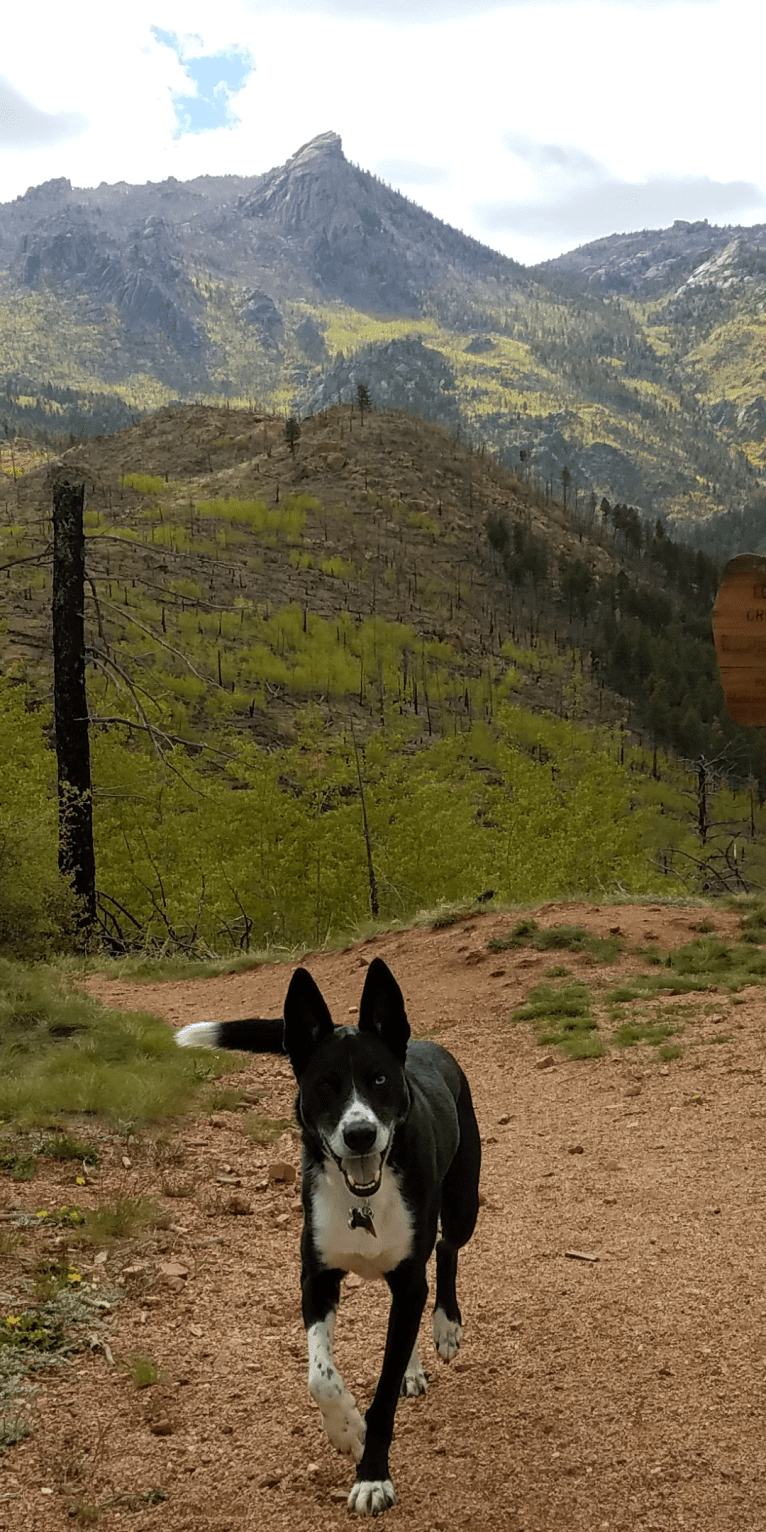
74,1276
43,1213
13,1319
79,1181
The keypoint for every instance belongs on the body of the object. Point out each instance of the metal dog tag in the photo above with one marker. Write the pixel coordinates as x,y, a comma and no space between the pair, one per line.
361,1218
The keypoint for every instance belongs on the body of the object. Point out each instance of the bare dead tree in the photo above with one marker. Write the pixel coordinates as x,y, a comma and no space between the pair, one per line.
76,854
374,906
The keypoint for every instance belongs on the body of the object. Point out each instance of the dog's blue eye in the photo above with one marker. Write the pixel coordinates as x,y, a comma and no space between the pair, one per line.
380,1079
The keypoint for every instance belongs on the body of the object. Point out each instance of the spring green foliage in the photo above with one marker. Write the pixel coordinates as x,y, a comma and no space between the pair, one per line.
286,521
632,1032
281,860
244,848
144,483
62,1053
13,1429
35,905
699,965
18,1164
34,1337
68,1146
263,1130
251,849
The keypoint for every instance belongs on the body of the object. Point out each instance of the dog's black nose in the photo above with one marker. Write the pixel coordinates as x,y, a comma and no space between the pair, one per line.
360,1137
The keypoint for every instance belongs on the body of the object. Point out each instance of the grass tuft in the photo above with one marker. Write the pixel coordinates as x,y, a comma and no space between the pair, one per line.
61,1053
562,1018
17,1164
669,1051
527,933
122,1219
13,1429
633,1032
67,1146
264,1130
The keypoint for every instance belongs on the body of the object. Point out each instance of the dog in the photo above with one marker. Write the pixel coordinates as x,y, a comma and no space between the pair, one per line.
391,1159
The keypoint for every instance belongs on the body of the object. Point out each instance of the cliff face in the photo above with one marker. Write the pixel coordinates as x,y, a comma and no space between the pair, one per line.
651,262
68,249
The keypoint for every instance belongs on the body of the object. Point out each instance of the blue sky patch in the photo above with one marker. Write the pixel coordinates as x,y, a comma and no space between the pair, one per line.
216,78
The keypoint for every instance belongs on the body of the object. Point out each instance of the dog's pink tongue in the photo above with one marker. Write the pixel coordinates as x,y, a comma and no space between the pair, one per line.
362,1170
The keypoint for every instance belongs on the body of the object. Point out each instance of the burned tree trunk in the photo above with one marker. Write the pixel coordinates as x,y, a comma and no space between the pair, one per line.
76,855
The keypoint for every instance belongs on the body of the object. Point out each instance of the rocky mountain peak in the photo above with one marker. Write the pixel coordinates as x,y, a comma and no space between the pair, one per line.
325,145
315,187
48,191
355,237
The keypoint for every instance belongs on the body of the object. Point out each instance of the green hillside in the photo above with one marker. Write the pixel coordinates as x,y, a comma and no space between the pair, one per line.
593,384
382,613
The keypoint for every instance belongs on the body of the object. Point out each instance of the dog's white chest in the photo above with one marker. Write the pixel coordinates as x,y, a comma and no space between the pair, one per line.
338,1245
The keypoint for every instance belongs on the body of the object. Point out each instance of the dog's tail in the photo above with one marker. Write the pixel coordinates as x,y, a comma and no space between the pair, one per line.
252,1036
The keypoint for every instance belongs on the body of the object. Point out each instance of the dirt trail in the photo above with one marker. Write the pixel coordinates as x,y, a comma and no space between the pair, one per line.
622,1391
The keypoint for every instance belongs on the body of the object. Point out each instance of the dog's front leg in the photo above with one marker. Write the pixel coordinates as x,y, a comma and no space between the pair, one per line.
341,1419
373,1491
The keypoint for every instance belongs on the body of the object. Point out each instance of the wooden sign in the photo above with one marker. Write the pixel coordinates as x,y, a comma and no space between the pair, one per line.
739,629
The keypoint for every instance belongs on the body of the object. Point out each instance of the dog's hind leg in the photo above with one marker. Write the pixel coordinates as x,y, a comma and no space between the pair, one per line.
459,1210
448,1325
414,1381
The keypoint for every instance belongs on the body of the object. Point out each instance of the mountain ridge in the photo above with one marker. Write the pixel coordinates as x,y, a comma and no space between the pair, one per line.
634,364
648,261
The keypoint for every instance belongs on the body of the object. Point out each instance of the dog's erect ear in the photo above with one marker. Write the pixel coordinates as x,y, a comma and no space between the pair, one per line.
307,1019
382,1008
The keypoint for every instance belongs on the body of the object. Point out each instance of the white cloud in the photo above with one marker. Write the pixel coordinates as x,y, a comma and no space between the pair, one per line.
405,174
487,114
579,198
436,12
545,157
24,126
613,206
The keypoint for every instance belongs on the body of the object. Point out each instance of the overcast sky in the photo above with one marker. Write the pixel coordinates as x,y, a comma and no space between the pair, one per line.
534,125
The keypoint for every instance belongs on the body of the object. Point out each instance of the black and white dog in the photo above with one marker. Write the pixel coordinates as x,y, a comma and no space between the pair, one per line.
391,1157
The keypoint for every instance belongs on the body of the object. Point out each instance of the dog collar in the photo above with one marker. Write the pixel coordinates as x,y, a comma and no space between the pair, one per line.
361,1218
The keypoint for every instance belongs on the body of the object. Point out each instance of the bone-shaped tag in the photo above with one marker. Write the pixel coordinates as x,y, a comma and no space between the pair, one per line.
361,1218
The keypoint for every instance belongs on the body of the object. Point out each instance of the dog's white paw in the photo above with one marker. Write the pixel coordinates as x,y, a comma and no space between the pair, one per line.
370,1497
414,1382
447,1335
343,1424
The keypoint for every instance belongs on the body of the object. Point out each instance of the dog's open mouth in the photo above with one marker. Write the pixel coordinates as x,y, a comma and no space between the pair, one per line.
362,1173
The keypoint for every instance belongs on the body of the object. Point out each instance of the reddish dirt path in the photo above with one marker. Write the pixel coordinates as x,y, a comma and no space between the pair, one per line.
621,1392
